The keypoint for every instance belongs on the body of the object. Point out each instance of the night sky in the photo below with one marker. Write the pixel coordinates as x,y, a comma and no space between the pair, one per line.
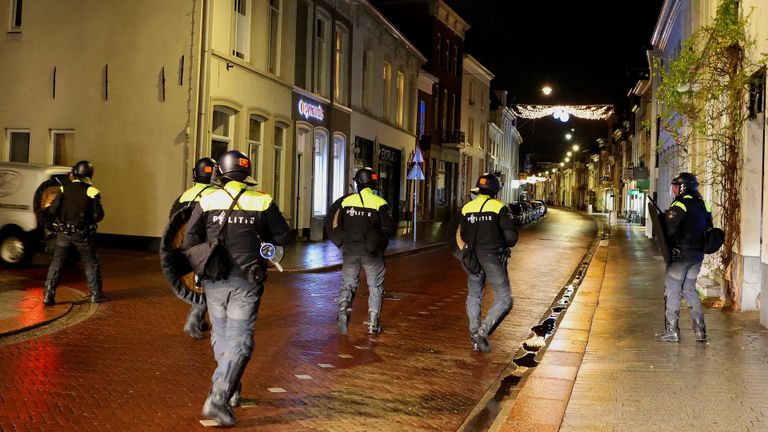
589,51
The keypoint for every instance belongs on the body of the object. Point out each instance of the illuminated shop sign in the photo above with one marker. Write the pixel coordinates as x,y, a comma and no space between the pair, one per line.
310,111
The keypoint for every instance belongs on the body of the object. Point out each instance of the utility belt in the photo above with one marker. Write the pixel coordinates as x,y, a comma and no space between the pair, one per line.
69,228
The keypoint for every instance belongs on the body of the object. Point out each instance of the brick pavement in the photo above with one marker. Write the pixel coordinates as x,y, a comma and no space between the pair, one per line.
129,367
629,382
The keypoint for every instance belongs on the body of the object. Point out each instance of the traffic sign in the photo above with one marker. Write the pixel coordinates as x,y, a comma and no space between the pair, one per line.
416,173
417,156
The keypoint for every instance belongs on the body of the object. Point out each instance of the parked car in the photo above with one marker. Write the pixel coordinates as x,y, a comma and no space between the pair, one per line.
543,206
517,213
21,185
529,217
538,208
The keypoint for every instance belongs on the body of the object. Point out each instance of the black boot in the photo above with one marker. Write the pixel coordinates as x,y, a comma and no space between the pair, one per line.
670,334
98,297
217,406
373,323
700,330
480,343
234,400
49,299
343,319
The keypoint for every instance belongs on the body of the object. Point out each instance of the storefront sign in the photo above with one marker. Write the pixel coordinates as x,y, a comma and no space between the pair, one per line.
310,111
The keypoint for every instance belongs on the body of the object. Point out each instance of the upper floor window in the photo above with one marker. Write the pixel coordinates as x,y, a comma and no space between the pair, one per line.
482,100
386,90
241,36
18,144
471,92
400,98
16,16
273,54
422,117
439,47
447,55
322,54
278,163
456,64
303,45
222,130
470,130
63,146
341,66
255,139
757,93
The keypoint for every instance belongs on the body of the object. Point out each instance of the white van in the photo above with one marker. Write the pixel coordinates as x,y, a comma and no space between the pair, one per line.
19,228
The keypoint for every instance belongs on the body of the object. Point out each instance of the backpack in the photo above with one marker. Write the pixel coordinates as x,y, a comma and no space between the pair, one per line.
713,239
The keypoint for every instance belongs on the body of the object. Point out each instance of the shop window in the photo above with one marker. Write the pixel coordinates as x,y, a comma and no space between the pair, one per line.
16,6
400,98
320,173
18,144
273,55
340,81
322,54
63,145
339,163
255,139
241,35
222,128
279,164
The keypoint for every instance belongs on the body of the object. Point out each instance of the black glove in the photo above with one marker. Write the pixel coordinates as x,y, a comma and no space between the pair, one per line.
676,254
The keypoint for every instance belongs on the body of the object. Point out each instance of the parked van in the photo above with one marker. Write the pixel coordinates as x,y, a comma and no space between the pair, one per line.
25,189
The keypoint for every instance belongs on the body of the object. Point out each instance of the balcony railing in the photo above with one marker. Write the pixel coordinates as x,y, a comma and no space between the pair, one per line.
453,139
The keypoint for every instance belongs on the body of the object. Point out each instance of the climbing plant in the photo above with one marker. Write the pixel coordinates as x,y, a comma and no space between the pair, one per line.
703,95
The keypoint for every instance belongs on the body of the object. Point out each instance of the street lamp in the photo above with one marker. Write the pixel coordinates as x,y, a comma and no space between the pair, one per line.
575,147
569,154
562,164
547,90
567,159
568,136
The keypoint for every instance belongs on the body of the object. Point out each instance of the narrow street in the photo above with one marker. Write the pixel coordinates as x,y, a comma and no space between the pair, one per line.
128,366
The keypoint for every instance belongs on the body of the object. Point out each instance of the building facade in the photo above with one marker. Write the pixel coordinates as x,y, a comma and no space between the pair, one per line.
475,115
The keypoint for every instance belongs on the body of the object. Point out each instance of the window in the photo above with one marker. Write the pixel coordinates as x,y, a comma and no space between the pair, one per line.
322,54
444,111
436,107
439,45
422,117
470,130
18,144
456,64
386,90
63,145
482,99
303,45
339,162
255,138
471,94
242,29
16,16
222,126
320,173
400,98
342,73
757,93
452,118
482,135
447,54
273,58
367,78
277,174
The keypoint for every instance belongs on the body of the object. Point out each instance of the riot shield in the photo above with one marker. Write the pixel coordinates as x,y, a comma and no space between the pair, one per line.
173,262
659,236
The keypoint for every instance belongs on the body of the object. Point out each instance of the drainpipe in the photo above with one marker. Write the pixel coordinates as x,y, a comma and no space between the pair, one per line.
204,72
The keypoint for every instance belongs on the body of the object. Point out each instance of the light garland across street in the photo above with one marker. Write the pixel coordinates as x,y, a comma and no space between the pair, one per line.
563,112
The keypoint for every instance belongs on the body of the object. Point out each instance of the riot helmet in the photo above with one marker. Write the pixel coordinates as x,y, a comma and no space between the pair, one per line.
488,184
234,165
203,170
365,177
82,169
687,183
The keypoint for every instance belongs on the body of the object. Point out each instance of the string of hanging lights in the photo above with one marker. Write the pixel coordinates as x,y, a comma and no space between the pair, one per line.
564,112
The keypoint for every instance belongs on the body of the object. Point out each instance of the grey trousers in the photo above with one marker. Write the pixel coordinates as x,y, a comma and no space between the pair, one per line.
495,273
87,249
350,278
232,307
680,281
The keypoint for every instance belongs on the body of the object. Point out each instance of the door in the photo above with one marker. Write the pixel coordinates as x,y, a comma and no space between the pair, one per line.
303,178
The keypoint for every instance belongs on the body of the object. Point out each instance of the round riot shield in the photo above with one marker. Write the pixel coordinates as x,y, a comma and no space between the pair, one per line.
173,262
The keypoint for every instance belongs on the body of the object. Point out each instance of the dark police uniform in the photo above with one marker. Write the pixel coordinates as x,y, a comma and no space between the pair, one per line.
76,212
196,318
487,225
367,222
234,302
686,222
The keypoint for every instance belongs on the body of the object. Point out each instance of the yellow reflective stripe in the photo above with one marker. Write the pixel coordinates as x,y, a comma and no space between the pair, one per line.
192,193
61,188
708,206
679,204
370,200
489,205
687,196
92,192
248,201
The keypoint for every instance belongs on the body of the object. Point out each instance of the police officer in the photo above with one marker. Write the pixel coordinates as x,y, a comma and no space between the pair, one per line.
686,222
201,178
233,301
365,220
76,211
488,228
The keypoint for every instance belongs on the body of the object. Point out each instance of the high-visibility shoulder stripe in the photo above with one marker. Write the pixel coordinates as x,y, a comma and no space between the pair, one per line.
369,200
679,204
489,205
708,206
196,192
92,192
688,196
248,201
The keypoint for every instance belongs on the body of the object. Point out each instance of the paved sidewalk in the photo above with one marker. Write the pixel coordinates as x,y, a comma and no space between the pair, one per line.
612,374
21,304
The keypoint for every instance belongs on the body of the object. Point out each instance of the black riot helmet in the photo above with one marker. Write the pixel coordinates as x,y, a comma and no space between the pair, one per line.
203,170
82,169
488,184
687,182
235,165
365,177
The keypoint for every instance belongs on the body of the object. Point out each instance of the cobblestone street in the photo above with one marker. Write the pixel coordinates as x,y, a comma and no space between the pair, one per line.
130,367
